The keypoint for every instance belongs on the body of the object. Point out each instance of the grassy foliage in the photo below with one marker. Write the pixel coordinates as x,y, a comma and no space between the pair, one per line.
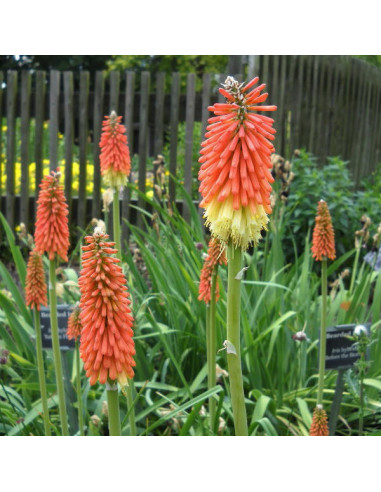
162,264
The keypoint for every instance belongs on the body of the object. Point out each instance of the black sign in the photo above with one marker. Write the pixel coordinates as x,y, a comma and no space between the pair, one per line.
341,353
63,313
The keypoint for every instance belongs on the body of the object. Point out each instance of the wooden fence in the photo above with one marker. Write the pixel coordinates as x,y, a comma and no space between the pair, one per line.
329,105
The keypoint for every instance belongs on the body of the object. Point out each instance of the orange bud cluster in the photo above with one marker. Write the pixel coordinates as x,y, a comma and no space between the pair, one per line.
235,164
74,325
115,156
107,347
52,230
319,426
215,256
323,238
35,285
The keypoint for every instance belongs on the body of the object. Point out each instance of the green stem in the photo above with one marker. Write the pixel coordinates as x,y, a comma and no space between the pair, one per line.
233,337
113,409
116,232
355,266
323,330
212,348
56,347
79,392
361,415
41,372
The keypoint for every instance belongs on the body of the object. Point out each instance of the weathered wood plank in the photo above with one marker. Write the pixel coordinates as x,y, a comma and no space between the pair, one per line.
11,146
313,114
114,91
25,127
205,102
189,127
39,111
129,123
143,138
54,99
83,145
97,130
175,106
159,114
68,82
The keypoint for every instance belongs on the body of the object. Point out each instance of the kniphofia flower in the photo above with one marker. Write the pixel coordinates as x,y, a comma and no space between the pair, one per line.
107,347
235,164
52,231
115,156
323,238
319,426
215,256
74,325
35,285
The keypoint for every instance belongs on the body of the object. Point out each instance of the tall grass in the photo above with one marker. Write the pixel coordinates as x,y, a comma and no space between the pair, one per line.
163,263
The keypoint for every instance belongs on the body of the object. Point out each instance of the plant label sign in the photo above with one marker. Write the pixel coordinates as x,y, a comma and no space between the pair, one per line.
63,313
341,353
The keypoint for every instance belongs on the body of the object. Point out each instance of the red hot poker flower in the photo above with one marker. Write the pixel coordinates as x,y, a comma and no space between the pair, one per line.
74,325
115,156
215,256
235,165
35,285
52,230
323,238
319,426
107,347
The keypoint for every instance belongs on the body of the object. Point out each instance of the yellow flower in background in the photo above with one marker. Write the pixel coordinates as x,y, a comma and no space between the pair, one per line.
4,128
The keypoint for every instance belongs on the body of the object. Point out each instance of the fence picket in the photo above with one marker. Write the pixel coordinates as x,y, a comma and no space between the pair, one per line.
97,130
69,134
143,138
11,146
39,112
129,123
83,146
25,127
175,103
54,100
189,124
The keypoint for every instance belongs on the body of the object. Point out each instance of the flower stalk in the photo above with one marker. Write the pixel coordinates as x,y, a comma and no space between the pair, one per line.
56,347
212,347
41,372
116,232
79,390
113,409
323,331
233,338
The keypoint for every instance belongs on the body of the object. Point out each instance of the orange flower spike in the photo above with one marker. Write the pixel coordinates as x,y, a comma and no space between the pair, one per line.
115,156
107,347
74,325
323,238
319,425
35,285
215,256
52,230
235,177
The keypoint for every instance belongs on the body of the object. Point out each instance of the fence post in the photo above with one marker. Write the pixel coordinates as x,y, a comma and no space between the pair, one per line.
189,125
11,146
97,130
129,122
143,139
39,130
175,103
25,123
54,99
